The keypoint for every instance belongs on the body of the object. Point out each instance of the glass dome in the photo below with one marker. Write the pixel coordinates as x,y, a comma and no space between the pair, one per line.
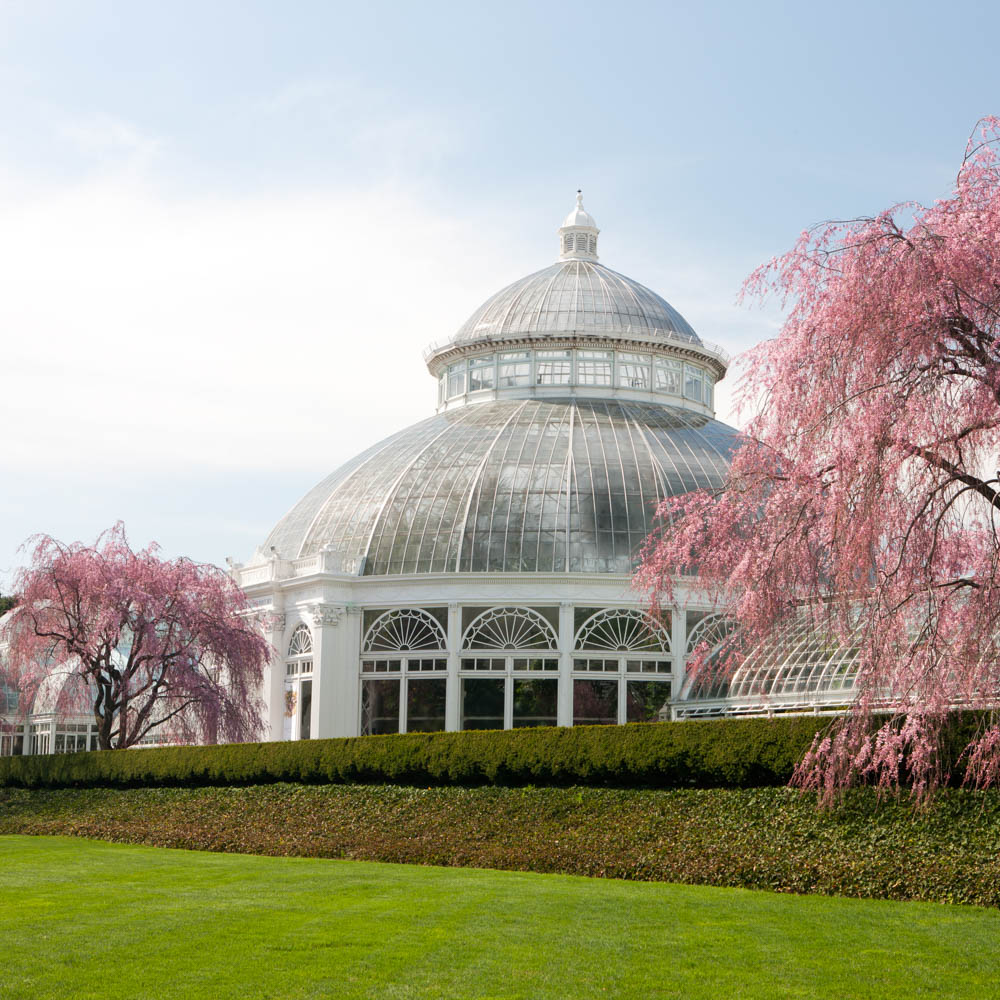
514,485
574,297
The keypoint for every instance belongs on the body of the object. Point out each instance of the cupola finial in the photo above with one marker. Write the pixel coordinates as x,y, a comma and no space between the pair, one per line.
578,233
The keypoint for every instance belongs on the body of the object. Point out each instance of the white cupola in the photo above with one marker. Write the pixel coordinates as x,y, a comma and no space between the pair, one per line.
578,234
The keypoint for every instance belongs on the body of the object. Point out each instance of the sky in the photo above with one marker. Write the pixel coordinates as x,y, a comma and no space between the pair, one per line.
228,230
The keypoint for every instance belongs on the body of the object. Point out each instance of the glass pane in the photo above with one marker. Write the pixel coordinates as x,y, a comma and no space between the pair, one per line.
425,704
535,703
593,372
595,703
668,377
692,382
379,706
514,374
305,715
481,378
632,376
645,700
552,373
482,703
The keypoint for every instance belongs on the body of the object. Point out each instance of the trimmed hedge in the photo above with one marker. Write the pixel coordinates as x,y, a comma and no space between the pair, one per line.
724,753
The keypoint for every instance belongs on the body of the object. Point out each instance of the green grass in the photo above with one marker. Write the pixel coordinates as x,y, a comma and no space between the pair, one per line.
86,920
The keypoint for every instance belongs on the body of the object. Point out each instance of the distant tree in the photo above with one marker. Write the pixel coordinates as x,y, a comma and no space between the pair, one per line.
865,493
153,644
6,603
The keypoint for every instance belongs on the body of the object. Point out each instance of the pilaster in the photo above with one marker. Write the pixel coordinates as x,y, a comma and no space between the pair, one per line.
566,636
678,645
328,663
273,626
453,699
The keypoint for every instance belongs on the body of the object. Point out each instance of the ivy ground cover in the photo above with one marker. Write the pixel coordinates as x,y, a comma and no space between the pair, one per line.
763,838
95,920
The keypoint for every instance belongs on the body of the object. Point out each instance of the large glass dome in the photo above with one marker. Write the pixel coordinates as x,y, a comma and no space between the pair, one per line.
569,405
554,485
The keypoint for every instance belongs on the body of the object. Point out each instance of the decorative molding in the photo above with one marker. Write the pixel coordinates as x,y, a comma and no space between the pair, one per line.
325,614
271,621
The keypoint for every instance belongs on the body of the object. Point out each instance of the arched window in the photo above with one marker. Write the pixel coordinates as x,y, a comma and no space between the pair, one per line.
715,633
507,653
403,673
625,631
510,628
403,630
622,668
298,684
301,641
713,630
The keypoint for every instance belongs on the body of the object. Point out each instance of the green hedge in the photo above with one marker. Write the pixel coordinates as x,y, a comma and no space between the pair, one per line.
729,753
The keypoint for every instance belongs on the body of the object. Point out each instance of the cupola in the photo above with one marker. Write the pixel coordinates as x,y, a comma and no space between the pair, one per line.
578,234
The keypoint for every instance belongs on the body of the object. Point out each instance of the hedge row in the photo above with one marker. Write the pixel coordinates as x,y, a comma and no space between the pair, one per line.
737,753
760,838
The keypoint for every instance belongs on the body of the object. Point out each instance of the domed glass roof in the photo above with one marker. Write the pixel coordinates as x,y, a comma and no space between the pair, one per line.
576,297
515,485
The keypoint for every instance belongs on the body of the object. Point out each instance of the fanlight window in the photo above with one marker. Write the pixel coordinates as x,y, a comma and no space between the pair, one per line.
510,628
624,631
301,643
406,629
712,629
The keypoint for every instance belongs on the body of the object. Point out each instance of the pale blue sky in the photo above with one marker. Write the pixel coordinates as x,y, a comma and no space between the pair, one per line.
213,214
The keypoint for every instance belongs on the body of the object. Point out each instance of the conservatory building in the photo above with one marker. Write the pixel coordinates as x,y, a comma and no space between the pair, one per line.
473,571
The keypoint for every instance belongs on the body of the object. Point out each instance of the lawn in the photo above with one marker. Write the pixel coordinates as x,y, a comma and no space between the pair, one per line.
84,919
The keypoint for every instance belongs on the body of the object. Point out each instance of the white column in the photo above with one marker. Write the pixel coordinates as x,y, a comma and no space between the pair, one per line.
347,715
453,696
274,676
566,636
333,671
678,643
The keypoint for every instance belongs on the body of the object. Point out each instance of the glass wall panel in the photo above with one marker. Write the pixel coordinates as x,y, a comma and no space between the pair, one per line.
693,378
482,702
595,703
535,703
379,706
515,369
633,371
593,367
456,379
482,373
645,699
668,376
305,713
552,368
425,704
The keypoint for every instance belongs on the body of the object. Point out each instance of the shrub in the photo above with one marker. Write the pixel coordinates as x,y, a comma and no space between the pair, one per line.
732,753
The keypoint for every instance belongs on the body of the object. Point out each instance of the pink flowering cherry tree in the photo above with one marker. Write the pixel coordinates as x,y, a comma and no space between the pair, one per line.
149,644
865,492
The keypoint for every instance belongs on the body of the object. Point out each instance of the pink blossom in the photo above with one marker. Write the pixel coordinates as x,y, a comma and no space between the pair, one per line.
865,492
